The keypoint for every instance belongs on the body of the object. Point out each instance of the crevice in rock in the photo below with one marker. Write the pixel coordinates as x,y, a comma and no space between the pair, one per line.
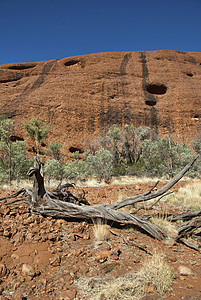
196,116
75,149
71,62
150,102
15,138
9,80
22,67
156,89
112,96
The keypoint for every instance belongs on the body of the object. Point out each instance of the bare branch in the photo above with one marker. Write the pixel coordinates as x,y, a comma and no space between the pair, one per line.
145,197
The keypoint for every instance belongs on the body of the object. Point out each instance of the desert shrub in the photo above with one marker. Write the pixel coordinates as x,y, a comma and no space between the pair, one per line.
13,161
100,164
36,131
133,153
75,170
20,164
54,169
197,148
125,146
164,157
55,150
197,143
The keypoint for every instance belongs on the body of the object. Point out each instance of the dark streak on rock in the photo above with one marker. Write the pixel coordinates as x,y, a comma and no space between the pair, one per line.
46,69
124,63
149,98
154,123
102,110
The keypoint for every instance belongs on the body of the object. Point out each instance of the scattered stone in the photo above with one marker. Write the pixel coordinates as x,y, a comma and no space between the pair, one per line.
14,256
55,261
18,238
172,259
68,295
150,297
7,233
185,271
102,256
28,270
150,289
3,270
103,246
169,242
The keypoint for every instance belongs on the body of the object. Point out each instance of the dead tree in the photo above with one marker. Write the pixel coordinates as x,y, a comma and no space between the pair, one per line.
55,204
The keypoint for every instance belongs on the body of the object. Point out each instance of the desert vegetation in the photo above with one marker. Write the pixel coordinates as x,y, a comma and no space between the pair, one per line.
154,272
128,151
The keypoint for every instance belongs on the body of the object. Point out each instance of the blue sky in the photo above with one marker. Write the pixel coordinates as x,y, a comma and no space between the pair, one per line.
35,30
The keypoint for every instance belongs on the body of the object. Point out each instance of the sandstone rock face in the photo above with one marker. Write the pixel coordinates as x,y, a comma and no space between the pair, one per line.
82,96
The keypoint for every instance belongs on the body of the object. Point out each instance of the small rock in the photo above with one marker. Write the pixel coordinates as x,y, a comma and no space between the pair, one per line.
16,285
104,246
3,270
18,296
172,259
52,237
55,261
185,271
114,256
18,238
28,270
169,242
7,233
68,295
102,256
150,289
14,256
150,297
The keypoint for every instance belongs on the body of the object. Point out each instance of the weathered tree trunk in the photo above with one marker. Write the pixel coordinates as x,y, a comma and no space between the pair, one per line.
45,205
53,204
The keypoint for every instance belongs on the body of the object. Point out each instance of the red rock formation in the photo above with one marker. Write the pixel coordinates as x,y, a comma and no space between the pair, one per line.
80,97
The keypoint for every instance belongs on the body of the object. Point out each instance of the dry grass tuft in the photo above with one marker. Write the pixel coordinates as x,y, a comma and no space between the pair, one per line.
100,230
155,272
188,197
132,180
166,226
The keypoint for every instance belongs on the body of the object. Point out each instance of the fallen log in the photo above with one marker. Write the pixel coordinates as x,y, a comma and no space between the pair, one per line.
184,216
51,204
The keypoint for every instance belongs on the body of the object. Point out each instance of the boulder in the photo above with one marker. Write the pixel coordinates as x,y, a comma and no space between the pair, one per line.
80,97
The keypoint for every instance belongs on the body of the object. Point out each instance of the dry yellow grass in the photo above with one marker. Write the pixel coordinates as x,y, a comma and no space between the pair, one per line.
100,230
166,226
155,272
188,197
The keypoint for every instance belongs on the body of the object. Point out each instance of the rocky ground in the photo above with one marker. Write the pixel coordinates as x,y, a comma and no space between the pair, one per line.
44,258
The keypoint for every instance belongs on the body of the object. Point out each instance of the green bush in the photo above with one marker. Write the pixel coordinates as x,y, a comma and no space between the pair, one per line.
20,164
164,157
75,170
55,150
100,164
54,169
197,148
